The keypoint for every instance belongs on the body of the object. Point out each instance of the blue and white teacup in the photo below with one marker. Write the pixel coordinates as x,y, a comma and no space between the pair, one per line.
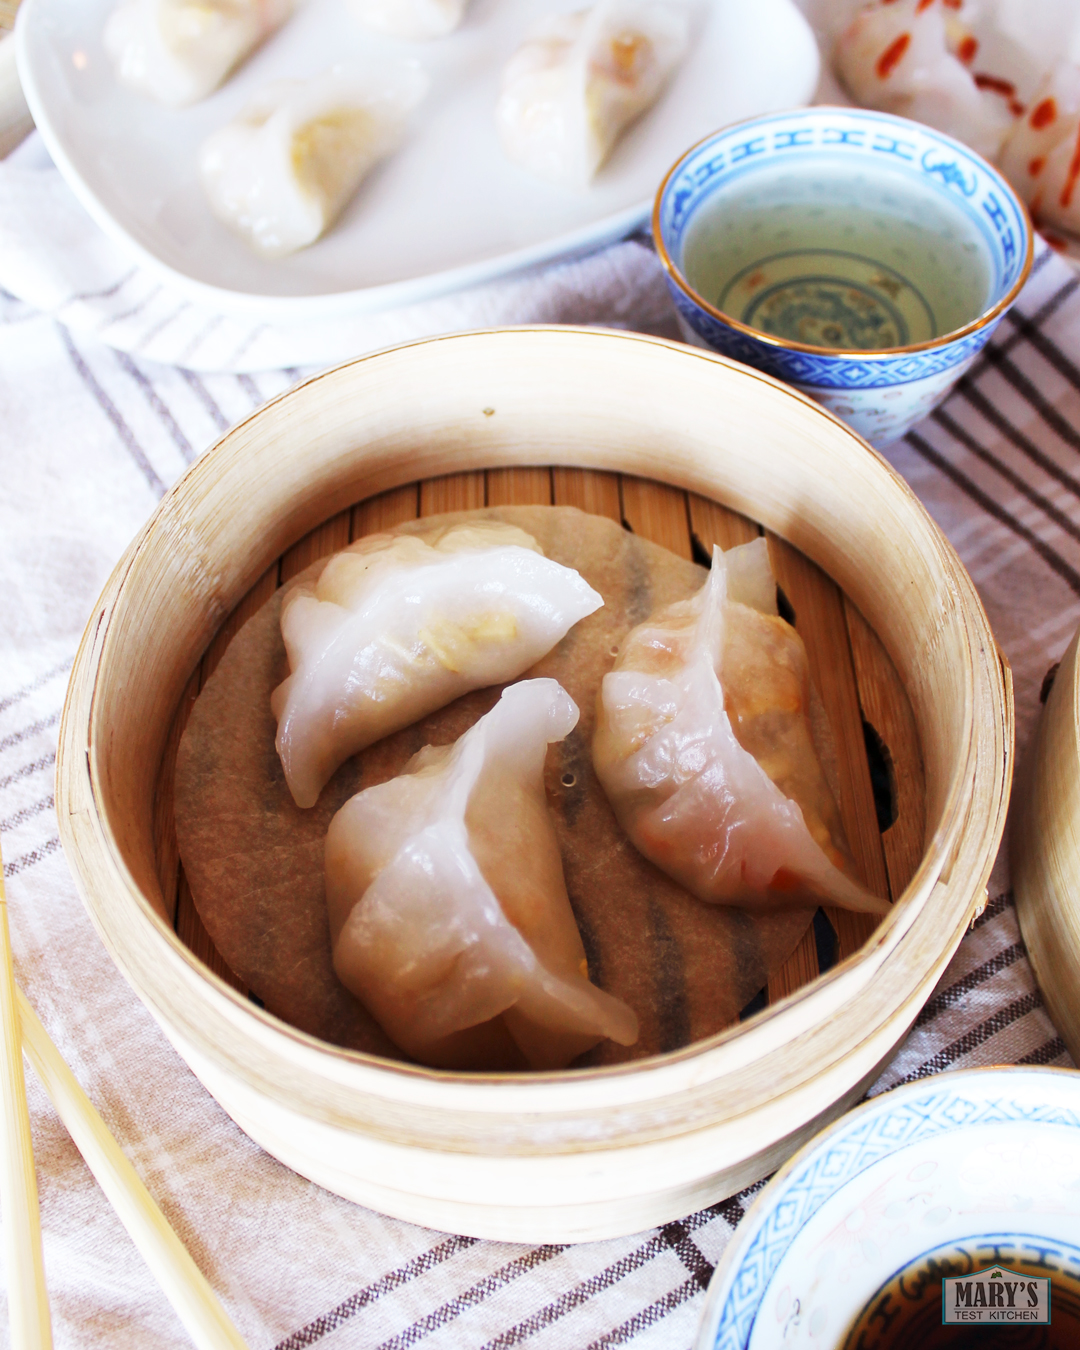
861,257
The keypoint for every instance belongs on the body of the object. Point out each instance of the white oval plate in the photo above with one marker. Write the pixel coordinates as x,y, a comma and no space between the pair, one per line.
954,1157
447,211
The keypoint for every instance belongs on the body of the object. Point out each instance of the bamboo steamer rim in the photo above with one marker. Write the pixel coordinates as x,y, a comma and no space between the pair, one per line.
90,841
1046,849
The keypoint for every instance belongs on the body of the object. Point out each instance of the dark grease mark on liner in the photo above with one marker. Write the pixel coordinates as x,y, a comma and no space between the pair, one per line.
669,975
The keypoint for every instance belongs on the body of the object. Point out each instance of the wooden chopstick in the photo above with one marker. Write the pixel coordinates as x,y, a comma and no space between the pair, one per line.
185,1286
28,1299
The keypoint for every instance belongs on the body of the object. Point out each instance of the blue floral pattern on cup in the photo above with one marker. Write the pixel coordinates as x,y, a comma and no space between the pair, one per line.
945,1119
881,393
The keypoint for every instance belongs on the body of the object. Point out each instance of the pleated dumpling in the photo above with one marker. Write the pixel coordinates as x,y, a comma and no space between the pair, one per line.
580,79
411,20
1040,155
704,749
282,172
911,58
178,51
399,625
448,910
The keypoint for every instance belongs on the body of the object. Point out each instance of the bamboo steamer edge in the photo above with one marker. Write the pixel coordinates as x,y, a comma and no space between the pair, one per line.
556,1156
1046,851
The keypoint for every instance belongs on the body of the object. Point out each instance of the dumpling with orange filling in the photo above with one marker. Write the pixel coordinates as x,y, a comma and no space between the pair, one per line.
1041,157
912,58
580,79
704,748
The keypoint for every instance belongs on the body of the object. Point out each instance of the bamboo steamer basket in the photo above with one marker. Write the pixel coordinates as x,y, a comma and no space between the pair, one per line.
573,1155
1046,852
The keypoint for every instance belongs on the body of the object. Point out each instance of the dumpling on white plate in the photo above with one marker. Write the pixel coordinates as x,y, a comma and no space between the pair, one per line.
412,20
282,172
703,746
397,626
449,916
1040,156
178,51
580,79
912,58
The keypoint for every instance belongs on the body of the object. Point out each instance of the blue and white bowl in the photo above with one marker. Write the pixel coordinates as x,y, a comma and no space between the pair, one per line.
882,256
972,1167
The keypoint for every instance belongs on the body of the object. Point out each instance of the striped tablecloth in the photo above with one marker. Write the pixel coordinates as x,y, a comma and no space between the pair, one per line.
90,438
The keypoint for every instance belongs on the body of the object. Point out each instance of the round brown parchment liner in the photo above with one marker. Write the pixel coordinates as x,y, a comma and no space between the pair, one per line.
254,860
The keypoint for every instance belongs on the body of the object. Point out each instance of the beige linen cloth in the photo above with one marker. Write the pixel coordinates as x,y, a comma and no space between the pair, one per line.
90,437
